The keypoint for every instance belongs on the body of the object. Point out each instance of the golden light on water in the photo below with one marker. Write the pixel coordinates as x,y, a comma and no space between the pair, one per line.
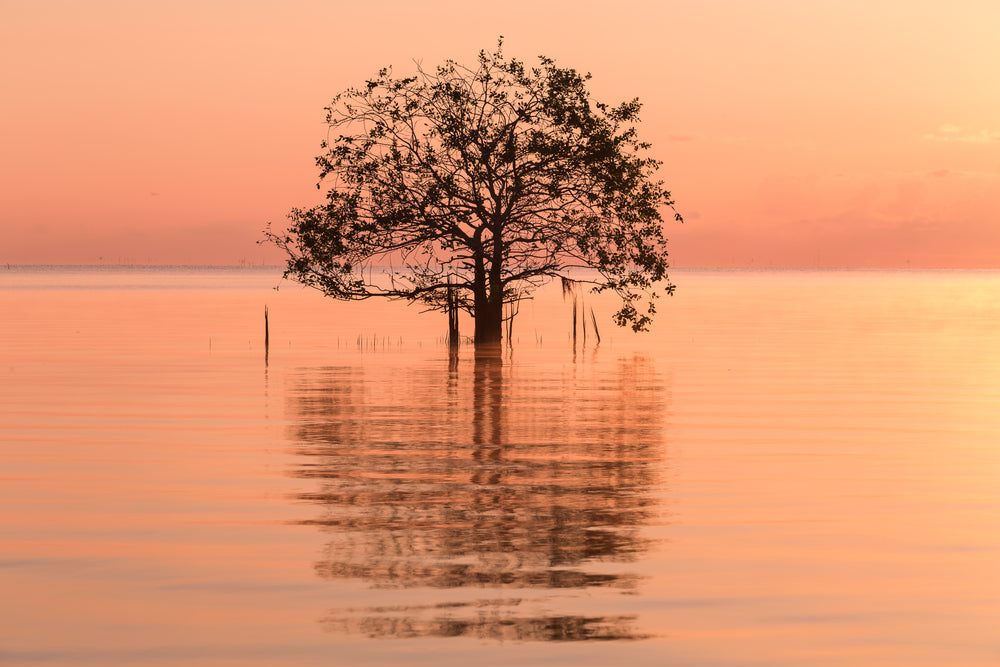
800,467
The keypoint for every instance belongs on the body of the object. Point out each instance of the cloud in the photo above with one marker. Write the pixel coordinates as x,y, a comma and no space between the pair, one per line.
950,132
954,174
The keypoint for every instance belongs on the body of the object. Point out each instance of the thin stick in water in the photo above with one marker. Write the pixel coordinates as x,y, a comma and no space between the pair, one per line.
593,321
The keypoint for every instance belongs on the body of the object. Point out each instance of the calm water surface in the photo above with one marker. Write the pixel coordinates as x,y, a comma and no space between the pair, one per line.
795,468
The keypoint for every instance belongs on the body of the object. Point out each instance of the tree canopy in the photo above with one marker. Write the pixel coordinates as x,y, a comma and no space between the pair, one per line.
471,186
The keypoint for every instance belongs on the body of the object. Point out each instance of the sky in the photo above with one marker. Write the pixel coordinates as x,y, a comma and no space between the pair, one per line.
792,133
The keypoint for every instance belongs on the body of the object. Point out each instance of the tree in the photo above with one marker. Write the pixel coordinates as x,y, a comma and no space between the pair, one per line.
470,187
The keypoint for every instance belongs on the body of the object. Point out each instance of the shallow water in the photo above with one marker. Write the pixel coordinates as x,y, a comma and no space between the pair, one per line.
794,468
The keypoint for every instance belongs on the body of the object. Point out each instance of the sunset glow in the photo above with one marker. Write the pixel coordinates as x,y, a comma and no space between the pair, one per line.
464,408
793,134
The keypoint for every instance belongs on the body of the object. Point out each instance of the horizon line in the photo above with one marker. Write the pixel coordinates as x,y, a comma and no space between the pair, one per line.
721,267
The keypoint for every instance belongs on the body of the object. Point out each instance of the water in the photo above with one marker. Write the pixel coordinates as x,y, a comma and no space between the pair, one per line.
794,468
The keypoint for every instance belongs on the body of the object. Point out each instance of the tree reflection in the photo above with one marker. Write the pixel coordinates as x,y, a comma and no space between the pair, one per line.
483,619
510,478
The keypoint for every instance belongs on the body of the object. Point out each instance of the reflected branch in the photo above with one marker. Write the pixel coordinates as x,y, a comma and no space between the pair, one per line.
485,620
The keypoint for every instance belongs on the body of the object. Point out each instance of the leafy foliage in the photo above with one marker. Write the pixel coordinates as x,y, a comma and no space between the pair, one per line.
491,180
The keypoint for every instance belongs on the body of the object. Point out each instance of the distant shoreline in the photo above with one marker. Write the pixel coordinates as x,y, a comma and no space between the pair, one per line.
158,267
260,268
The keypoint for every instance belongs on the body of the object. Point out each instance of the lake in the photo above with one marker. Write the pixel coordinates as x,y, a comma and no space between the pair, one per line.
792,468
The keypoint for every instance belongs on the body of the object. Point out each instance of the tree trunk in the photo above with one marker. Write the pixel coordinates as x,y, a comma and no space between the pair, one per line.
489,320
488,294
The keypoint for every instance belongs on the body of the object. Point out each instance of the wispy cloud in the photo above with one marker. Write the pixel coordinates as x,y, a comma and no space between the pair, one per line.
949,132
955,174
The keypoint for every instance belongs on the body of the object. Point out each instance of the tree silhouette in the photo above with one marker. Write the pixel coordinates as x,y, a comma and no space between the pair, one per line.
484,182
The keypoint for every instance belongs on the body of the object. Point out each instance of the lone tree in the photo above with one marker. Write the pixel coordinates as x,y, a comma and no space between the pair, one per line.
469,187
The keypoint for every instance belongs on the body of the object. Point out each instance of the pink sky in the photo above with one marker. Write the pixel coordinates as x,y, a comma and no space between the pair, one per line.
820,133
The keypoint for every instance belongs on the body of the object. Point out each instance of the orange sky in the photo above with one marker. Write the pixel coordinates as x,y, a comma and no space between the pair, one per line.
820,133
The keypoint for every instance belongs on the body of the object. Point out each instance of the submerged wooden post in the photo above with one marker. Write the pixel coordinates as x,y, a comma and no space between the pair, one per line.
267,337
569,289
593,320
512,310
574,321
452,304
